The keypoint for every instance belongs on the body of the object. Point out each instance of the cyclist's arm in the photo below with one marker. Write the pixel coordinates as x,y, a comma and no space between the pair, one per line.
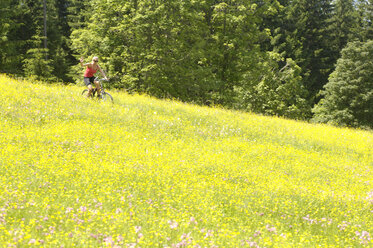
102,72
83,65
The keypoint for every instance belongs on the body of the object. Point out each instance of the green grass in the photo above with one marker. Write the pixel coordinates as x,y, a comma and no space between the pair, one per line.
149,173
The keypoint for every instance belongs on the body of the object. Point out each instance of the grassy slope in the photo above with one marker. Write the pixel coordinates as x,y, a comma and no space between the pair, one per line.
162,173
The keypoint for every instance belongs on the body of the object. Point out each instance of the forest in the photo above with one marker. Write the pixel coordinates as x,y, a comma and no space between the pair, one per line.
300,59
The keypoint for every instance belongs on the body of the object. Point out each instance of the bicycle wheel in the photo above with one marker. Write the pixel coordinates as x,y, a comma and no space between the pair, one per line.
85,93
107,97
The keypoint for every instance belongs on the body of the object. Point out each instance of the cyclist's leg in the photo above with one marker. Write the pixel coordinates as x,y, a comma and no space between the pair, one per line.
88,83
98,88
90,90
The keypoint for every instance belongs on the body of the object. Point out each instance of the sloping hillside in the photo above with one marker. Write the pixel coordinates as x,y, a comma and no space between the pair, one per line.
149,173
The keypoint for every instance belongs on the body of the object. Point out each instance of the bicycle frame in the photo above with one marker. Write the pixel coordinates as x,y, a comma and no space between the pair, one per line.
100,83
103,94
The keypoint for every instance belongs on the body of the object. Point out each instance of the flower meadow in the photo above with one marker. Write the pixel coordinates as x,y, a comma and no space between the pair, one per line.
143,172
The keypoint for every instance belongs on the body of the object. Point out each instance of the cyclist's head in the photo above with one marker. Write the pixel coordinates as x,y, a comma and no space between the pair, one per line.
95,59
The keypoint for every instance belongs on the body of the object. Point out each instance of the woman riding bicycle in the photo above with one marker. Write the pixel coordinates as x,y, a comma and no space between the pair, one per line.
89,78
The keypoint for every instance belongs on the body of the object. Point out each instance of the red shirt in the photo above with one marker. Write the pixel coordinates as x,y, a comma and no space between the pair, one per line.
89,72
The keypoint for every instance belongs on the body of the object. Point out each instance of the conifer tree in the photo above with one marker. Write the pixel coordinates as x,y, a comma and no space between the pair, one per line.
16,29
366,18
343,26
304,37
20,30
35,64
348,96
5,26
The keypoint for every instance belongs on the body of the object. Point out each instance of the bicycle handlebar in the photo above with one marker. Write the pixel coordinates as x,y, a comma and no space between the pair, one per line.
101,79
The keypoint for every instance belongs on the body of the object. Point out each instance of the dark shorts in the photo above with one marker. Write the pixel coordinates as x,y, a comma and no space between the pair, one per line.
89,80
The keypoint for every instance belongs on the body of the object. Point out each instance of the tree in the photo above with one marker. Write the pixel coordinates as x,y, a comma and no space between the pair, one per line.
348,96
279,91
149,46
190,50
16,28
343,26
365,8
5,26
302,35
23,24
234,45
36,66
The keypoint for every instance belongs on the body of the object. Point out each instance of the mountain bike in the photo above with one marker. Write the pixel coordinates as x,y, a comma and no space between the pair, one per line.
104,96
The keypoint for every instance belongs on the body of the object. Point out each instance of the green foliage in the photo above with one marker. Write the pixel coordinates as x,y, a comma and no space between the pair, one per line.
149,47
365,8
228,53
190,50
348,96
343,26
36,64
21,22
278,91
16,20
302,34
4,28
